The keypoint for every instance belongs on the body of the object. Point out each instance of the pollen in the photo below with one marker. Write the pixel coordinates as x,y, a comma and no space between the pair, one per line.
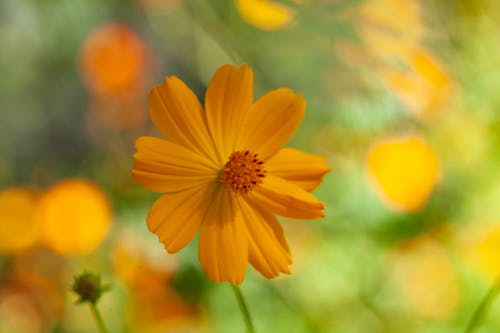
243,171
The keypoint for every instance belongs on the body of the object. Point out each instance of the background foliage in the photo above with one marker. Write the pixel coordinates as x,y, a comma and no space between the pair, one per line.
402,101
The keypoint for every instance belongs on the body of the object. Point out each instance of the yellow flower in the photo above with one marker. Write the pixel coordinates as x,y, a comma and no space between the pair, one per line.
223,172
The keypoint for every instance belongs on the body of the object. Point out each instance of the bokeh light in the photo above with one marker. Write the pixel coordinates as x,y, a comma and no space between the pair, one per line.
74,217
18,227
403,171
112,60
402,102
423,271
424,87
264,14
480,246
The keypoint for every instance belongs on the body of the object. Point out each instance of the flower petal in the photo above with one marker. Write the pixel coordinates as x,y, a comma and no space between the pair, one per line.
223,246
302,169
228,99
164,166
176,217
286,199
271,122
178,115
268,250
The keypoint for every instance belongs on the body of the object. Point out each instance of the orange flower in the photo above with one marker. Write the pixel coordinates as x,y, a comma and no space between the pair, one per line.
224,173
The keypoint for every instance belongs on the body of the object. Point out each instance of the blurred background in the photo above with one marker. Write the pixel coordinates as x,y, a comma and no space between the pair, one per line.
402,101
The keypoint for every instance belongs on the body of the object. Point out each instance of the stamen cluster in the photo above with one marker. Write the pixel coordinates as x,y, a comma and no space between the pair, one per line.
243,171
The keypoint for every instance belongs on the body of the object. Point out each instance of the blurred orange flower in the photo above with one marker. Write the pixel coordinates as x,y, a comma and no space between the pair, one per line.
112,60
153,305
224,173
403,171
139,267
18,227
29,303
424,275
264,14
113,64
74,217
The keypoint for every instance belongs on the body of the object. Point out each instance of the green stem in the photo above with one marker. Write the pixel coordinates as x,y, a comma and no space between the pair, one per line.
482,308
98,318
243,308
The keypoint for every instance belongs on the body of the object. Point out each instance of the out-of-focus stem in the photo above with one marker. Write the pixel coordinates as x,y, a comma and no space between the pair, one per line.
243,308
482,308
98,318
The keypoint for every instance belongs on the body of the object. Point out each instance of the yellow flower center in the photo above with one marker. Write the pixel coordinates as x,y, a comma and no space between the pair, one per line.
243,171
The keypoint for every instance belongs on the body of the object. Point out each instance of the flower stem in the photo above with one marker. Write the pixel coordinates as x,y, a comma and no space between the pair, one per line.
243,308
482,308
98,318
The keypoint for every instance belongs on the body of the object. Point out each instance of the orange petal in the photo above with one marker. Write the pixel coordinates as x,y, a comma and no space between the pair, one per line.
176,217
228,99
271,122
178,115
223,246
268,250
286,199
302,169
164,166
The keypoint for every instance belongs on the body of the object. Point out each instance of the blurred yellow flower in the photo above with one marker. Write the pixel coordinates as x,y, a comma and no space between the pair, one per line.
18,228
423,273
74,217
481,248
224,173
403,171
390,28
264,14
424,87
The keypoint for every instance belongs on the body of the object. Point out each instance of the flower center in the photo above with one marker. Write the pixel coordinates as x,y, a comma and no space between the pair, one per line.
243,171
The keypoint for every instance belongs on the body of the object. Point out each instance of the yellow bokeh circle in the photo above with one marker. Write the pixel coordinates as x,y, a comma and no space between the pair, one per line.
403,171
18,228
264,14
74,217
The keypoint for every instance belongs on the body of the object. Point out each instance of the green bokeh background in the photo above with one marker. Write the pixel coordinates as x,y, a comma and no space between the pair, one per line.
341,279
